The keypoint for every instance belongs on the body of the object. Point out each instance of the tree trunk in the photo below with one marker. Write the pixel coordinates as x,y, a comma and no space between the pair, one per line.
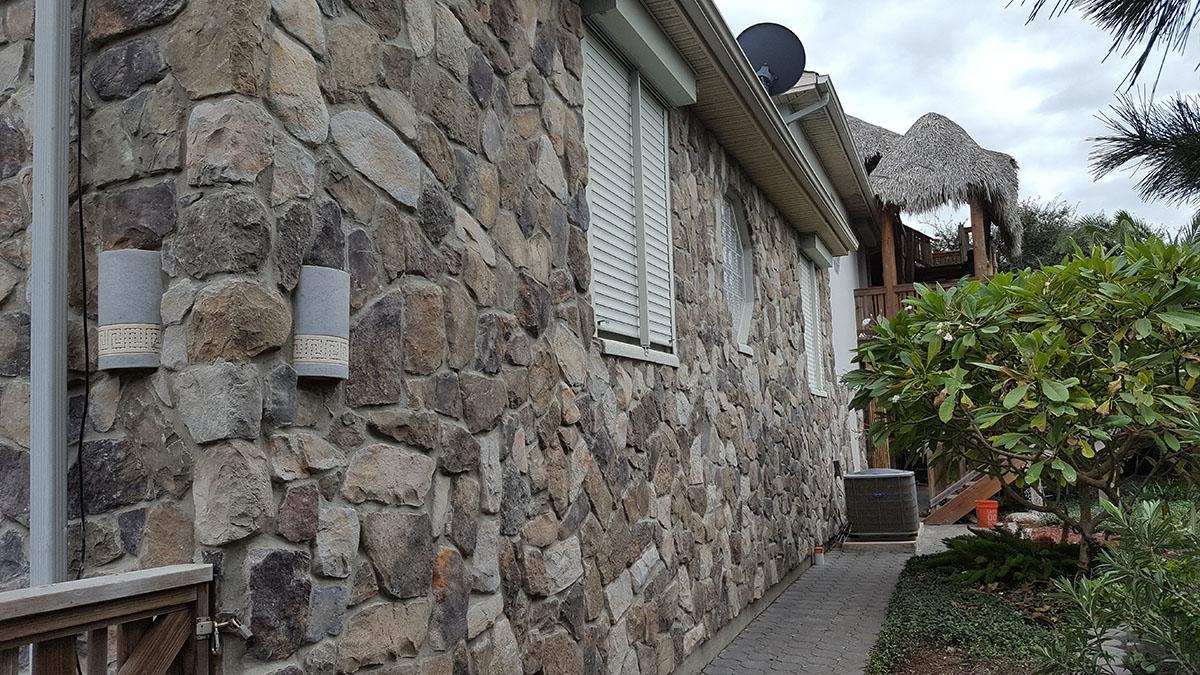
1085,526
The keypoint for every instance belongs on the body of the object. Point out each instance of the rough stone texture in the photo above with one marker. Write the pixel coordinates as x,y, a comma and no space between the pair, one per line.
379,154
389,475
279,594
228,141
237,320
114,475
539,506
400,546
220,401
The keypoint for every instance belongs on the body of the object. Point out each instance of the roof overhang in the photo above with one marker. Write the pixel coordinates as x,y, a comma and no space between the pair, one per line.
734,106
828,132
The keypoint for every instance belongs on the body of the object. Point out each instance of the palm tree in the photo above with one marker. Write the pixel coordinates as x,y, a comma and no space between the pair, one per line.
1162,138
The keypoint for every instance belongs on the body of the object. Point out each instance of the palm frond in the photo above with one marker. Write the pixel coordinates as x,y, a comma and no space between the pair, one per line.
1163,139
1149,23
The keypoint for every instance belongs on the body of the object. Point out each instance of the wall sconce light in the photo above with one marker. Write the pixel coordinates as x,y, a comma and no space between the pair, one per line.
130,318
321,346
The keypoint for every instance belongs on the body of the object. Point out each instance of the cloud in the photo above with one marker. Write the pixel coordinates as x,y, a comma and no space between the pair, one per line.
1031,90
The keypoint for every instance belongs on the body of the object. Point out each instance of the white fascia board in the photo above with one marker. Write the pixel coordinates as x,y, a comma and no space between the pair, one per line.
640,40
828,192
816,251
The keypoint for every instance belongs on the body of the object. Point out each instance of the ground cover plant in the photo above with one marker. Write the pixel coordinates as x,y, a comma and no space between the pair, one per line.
1058,376
996,556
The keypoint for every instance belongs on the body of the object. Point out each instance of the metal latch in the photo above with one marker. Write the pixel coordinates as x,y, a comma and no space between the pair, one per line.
227,622
205,627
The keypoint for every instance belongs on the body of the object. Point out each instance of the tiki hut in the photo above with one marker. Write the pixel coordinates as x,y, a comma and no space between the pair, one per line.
936,163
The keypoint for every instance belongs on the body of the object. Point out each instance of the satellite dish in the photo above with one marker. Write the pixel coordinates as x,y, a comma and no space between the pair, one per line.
775,54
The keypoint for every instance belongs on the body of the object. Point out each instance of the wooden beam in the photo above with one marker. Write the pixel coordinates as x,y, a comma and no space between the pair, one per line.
14,604
979,238
55,657
97,652
964,502
10,661
887,238
82,619
158,648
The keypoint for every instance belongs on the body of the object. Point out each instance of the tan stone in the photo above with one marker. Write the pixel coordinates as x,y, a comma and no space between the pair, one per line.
379,154
353,60
14,411
388,474
221,48
169,539
300,454
424,328
236,320
232,493
396,109
228,141
302,18
293,93
380,631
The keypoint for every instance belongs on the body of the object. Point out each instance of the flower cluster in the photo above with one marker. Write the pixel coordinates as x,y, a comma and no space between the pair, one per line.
944,331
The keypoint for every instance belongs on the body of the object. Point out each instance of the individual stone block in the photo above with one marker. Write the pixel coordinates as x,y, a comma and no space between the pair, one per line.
302,18
237,320
299,512
232,492
451,592
554,568
108,19
380,631
169,537
220,401
279,588
379,154
460,450
424,328
389,475
400,546
464,518
484,399
228,141
485,562
300,454
114,476
376,362
482,613
220,48
222,232
279,396
337,542
327,608
138,217
293,93
119,71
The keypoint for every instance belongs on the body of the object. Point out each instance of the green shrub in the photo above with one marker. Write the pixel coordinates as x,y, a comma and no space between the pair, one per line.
1147,585
927,609
996,556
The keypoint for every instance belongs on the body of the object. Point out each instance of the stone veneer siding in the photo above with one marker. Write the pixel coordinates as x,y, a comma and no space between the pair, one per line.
486,493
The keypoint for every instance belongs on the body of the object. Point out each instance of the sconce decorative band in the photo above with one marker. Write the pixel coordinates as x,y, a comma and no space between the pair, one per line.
129,286
321,346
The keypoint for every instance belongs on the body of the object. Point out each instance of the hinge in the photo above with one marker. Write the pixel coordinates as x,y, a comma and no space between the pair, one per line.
205,627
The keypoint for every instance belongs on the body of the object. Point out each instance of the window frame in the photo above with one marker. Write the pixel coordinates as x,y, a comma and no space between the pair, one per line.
814,363
642,347
741,323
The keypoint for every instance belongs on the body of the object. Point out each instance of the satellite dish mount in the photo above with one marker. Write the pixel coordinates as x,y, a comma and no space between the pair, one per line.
775,54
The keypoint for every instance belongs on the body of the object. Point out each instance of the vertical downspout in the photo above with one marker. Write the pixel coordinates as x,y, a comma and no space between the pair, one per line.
48,294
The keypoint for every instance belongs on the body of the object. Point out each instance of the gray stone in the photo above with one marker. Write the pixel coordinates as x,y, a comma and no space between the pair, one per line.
549,169
329,247
293,93
460,320
220,51
327,607
13,559
376,362
533,305
435,211
382,15
236,320
228,141
379,154
449,104
514,503
400,546
389,475
113,476
14,344
352,64
299,512
484,400
481,79
506,653
220,401
337,542
482,613
396,108
418,14
302,18
466,179
364,586
294,234
138,217
132,525
453,49
119,71
300,454
618,596
485,563
279,588
279,396
295,173
232,492
447,397
554,568
365,275
110,18
460,450
579,260
413,427
464,514
380,631
12,146
451,593
222,232
14,484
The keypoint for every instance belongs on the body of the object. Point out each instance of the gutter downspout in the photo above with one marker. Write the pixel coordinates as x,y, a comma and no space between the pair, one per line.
48,294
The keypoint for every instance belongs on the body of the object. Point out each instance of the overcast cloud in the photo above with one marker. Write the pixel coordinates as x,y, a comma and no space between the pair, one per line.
1032,91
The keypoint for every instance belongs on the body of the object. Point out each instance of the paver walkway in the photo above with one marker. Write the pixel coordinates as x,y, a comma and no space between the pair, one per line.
827,620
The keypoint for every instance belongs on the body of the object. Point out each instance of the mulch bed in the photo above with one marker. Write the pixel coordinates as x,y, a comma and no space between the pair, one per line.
932,660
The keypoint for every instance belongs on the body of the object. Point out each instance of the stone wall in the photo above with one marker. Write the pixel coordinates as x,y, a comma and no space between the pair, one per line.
486,493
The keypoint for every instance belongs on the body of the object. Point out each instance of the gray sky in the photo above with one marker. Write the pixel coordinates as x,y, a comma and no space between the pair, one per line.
1032,91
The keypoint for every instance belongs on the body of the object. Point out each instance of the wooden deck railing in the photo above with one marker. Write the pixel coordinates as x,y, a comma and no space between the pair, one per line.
154,613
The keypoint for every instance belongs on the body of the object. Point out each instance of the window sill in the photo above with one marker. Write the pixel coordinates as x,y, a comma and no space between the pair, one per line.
822,394
628,351
745,349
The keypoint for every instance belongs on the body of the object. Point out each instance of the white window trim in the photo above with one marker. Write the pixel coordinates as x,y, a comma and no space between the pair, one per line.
645,351
741,324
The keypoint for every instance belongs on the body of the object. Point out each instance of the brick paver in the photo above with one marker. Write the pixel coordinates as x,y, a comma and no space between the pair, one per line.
825,622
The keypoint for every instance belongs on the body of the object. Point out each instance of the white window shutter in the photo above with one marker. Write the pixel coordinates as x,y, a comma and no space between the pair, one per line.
656,212
612,235
811,302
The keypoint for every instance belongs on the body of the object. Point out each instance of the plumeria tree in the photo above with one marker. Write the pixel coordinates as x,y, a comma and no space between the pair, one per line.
1057,376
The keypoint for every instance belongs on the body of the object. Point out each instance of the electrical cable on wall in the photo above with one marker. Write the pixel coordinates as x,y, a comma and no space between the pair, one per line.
87,371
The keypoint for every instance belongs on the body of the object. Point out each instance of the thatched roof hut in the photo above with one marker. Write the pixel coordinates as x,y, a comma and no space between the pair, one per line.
936,163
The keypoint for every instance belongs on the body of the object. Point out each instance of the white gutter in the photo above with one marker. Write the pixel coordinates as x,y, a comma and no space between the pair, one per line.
48,294
732,61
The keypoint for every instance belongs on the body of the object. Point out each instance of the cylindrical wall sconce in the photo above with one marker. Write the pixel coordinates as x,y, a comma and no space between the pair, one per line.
130,296
321,347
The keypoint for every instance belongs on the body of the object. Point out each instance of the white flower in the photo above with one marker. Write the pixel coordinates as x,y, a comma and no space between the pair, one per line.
896,399
949,337
866,322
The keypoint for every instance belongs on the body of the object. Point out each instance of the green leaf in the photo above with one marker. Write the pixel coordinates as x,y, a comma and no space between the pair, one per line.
1012,398
1055,391
1067,471
1143,327
1033,472
946,409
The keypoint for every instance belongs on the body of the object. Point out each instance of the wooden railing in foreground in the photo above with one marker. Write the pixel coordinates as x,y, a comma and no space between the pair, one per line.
154,612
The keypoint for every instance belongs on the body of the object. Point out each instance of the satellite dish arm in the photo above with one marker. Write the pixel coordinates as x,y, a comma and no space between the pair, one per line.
809,109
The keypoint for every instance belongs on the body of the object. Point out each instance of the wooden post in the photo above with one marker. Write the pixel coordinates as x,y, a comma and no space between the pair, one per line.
887,247
10,662
979,238
97,652
55,657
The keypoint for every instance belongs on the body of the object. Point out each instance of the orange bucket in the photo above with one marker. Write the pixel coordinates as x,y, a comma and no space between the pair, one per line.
987,513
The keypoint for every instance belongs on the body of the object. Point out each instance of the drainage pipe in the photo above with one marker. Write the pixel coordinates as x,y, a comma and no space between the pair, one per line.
48,294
